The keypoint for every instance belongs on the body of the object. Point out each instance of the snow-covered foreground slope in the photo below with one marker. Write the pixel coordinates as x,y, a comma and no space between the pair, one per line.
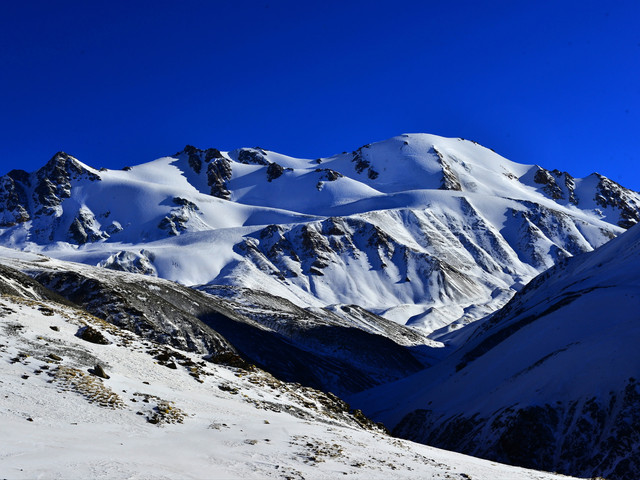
424,230
550,381
167,413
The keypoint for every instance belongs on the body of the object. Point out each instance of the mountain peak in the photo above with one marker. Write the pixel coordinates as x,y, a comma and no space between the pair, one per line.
434,231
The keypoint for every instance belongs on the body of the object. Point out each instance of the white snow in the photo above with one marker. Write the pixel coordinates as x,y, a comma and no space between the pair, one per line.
50,430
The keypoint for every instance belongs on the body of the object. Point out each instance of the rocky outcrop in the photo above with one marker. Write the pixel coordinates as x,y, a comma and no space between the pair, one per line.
196,156
252,156
218,174
362,163
450,180
177,221
13,199
52,183
327,175
557,185
612,194
550,186
40,195
274,171
84,228
132,261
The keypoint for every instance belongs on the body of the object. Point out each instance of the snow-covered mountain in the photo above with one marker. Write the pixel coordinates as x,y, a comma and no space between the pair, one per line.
550,381
423,230
349,274
86,398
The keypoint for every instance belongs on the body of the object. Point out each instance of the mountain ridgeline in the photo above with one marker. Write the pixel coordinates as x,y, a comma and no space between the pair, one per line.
422,230
462,299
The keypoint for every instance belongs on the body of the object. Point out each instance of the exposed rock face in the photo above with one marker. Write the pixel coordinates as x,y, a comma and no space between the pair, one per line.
218,174
449,179
196,156
195,162
329,175
539,228
362,164
556,184
25,197
612,194
274,171
252,156
85,228
17,284
561,187
551,187
90,334
12,209
131,261
52,183
176,222
156,312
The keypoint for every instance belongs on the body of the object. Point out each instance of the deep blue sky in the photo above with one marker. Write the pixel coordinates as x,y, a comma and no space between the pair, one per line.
119,83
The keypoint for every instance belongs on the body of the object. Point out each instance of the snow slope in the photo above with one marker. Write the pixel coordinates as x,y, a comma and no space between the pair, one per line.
166,413
427,231
549,381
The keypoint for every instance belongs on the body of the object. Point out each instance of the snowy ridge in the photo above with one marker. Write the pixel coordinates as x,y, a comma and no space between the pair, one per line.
440,231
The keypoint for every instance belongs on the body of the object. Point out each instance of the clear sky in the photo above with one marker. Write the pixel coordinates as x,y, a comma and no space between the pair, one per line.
118,83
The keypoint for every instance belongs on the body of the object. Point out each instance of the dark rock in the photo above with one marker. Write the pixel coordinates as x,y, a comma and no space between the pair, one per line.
274,171
175,223
218,174
114,228
77,233
195,163
449,180
90,334
13,199
612,194
98,371
131,261
361,163
551,187
211,153
251,156
84,228
328,174
55,357
46,311
185,203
